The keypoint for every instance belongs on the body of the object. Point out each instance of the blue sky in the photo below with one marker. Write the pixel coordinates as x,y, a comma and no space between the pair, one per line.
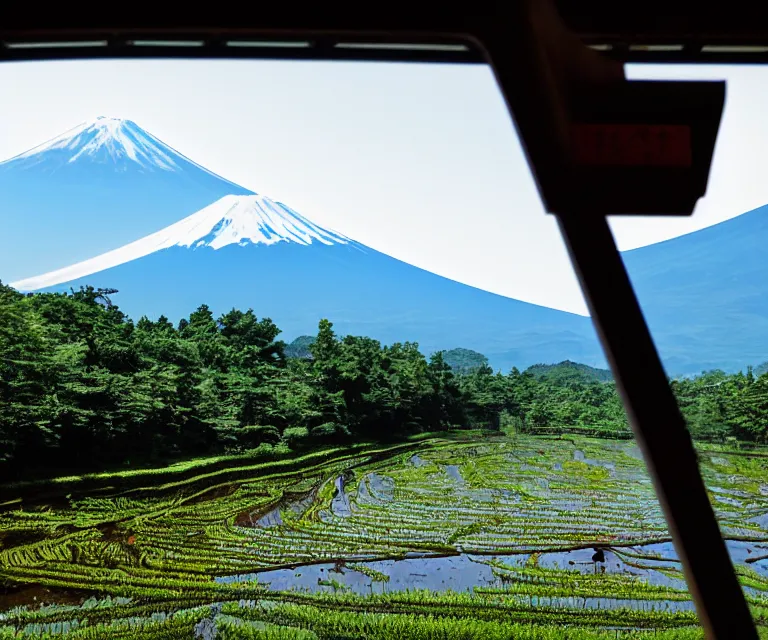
418,161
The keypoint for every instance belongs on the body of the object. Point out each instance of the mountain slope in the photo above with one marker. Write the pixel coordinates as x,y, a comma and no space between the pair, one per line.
251,252
705,294
92,189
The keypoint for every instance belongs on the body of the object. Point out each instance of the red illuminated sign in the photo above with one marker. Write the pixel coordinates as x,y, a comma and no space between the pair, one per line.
632,145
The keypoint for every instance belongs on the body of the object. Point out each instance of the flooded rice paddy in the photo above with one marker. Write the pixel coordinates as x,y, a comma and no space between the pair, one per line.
510,535
656,564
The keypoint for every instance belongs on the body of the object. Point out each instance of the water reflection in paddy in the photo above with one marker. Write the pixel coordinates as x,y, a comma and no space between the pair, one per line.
436,573
655,564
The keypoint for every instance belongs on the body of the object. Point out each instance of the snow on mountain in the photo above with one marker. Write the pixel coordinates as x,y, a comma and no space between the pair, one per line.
240,220
106,140
114,137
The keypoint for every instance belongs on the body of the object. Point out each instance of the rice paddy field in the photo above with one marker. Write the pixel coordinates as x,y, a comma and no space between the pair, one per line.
471,536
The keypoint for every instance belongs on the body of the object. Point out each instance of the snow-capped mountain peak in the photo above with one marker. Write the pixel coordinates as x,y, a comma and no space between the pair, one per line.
245,220
234,219
105,140
102,184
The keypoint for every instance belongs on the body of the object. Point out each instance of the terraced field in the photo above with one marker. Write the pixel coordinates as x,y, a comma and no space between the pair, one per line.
464,537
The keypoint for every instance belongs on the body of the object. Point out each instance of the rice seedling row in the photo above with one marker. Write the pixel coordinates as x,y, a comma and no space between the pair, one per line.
532,535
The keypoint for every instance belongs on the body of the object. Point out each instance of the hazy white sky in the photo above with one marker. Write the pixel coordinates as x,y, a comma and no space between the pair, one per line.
418,161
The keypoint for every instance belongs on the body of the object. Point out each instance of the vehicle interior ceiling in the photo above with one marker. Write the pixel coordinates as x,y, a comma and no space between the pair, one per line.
560,68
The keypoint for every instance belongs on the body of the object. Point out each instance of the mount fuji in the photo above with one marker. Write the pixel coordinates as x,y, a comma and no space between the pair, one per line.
94,188
252,252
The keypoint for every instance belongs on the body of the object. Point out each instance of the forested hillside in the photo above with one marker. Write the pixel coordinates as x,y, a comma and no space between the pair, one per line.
568,370
83,387
464,360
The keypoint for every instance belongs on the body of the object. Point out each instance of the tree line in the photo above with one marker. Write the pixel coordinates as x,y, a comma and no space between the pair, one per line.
84,387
